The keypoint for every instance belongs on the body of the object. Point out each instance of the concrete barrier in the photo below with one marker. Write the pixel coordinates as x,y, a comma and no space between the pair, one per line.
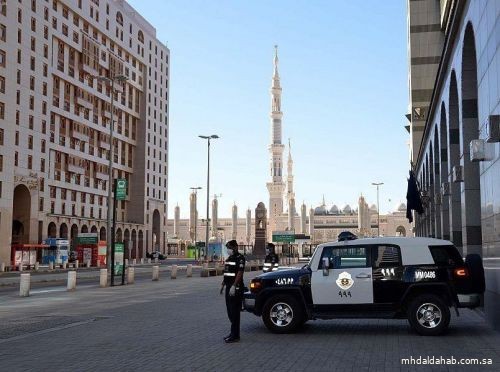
20,267
130,275
51,266
189,271
37,265
156,273
88,263
2,267
156,260
126,262
103,278
173,272
142,261
24,285
71,281
64,265
134,262
77,263
149,260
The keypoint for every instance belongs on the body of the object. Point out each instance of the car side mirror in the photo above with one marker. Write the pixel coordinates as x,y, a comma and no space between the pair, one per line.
326,264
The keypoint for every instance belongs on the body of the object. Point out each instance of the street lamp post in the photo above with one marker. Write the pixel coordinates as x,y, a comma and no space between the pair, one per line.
208,138
195,189
119,78
378,206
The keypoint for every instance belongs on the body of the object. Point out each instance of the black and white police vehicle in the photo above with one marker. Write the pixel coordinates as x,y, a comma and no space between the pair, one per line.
419,279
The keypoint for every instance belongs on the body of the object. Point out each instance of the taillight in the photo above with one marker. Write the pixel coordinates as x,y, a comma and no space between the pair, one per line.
461,272
255,286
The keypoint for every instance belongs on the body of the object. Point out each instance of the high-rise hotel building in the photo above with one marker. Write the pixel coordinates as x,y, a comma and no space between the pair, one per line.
55,119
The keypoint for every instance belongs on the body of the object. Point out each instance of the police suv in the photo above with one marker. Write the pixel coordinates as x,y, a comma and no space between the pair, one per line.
419,279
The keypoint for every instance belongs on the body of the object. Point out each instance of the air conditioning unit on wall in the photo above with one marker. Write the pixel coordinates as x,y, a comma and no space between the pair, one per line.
458,174
493,128
477,150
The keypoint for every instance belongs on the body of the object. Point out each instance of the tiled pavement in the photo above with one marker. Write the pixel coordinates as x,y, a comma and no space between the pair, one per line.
178,325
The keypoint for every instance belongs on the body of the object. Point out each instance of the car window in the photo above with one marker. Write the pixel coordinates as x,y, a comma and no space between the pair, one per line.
386,256
345,257
446,255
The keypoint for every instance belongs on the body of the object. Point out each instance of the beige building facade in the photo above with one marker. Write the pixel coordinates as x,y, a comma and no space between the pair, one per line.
55,118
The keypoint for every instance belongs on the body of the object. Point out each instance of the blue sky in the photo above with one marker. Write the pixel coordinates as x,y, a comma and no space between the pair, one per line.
343,71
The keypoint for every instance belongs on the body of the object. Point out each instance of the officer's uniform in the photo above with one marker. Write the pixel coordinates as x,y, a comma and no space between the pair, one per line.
234,263
271,263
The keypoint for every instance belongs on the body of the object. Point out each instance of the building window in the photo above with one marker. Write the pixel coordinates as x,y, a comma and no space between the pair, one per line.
2,84
30,162
1,163
16,138
1,132
16,159
30,142
40,204
33,24
42,165
32,82
2,58
2,32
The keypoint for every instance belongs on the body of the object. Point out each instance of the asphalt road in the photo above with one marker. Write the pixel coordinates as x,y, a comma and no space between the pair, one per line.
178,325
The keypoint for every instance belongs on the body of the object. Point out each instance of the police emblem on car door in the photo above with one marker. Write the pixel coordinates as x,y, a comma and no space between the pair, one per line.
348,279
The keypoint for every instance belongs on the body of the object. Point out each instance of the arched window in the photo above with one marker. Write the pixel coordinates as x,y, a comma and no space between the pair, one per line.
119,18
140,36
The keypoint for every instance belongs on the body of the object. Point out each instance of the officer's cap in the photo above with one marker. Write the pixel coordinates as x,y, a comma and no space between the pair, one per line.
232,244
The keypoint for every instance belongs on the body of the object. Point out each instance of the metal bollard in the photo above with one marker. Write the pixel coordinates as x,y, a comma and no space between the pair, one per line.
126,262
130,275
156,260
37,265
189,271
173,272
2,267
24,285
88,263
142,261
77,263
103,278
134,262
20,267
149,260
51,265
156,273
64,265
71,280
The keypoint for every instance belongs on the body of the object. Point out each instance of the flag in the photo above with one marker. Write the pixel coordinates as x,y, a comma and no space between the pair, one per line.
413,201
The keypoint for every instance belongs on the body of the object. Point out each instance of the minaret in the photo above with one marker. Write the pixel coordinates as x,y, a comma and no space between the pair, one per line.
234,232
192,214
215,205
303,218
311,224
177,218
290,194
249,225
276,186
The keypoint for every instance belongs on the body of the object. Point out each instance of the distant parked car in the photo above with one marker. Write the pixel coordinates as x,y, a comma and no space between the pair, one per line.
156,254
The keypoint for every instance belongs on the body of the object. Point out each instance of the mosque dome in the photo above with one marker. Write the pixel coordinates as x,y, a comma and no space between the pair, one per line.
347,209
402,207
320,210
334,209
373,207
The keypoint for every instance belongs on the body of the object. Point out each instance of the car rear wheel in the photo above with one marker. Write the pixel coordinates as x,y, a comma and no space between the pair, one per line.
282,314
428,315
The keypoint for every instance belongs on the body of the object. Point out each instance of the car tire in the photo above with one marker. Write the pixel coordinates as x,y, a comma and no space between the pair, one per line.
428,315
474,264
282,314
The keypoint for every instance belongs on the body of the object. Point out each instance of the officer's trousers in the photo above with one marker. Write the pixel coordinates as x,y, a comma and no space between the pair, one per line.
233,306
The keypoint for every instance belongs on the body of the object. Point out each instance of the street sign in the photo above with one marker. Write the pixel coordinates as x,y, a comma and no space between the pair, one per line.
119,250
121,189
284,236
86,238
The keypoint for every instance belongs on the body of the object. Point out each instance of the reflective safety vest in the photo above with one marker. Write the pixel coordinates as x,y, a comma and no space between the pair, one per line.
233,264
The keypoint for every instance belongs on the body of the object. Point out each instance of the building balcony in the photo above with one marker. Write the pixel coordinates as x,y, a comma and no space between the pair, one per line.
88,69
79,136
73,168
102,176
83,102
104,145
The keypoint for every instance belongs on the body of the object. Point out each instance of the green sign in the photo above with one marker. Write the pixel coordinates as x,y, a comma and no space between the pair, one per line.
83,239
121,189
283,236
119,250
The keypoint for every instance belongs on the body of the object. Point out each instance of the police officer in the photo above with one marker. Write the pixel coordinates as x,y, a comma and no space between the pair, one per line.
233,281
272,260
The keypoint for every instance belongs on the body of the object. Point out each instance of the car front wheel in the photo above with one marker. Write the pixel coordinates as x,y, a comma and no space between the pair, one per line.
282,314
428,315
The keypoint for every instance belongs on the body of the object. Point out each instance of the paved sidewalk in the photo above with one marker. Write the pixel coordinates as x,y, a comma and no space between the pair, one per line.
178,325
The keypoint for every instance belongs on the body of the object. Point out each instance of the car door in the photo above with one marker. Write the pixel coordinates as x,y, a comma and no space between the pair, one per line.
349,279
